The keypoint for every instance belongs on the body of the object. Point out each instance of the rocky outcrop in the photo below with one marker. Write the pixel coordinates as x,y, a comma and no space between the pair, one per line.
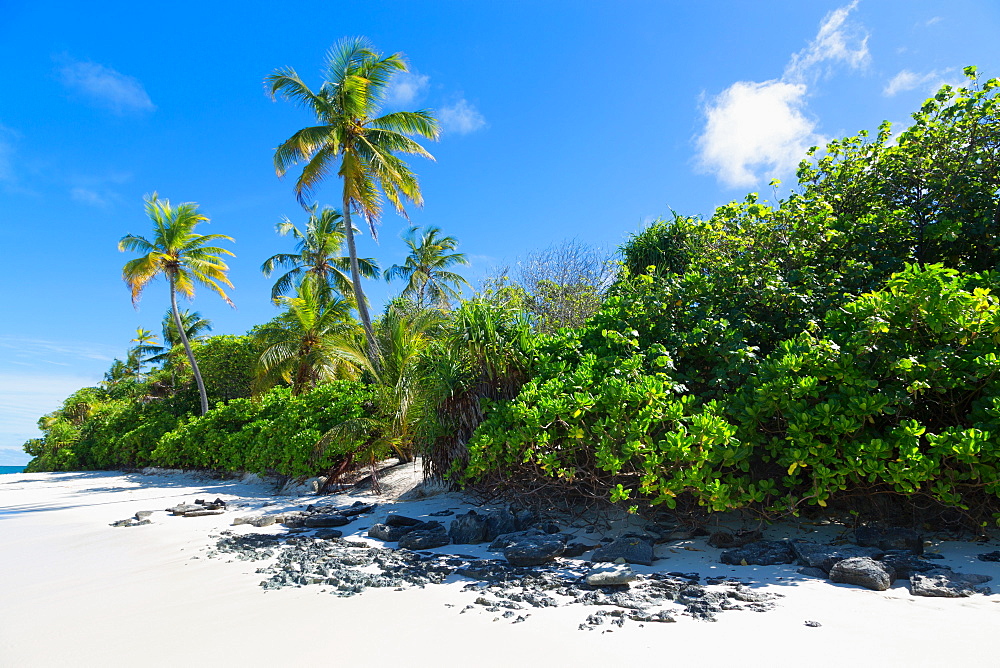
825,556
948,584
534,550
760,553
632,549
864,572
894,538
611,576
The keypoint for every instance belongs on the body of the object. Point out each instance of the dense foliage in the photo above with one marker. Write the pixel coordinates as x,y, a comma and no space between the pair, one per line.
785,354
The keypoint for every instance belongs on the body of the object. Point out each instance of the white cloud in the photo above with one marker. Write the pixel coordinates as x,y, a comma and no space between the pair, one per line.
460,118
907,80
405,88
106,87
755,129
837,40
934,19
753,126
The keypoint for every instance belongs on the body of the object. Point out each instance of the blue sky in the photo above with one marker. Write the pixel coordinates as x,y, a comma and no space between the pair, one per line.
561,120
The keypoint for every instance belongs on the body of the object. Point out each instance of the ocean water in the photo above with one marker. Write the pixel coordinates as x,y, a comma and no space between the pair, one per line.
10,469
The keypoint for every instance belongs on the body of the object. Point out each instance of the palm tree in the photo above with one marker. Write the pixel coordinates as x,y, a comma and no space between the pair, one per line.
428,281
143,350
398,387
354,138
183,257
317,253
305,344
194,326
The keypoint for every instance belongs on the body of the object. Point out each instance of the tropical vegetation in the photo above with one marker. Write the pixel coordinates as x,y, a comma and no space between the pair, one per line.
833,348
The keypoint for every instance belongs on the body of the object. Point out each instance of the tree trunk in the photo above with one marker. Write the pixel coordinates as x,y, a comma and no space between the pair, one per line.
187,348
359,295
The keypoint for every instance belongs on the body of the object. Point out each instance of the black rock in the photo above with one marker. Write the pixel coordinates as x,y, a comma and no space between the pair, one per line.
759,553
534,550
864,572
504,540
468,529
329,534
548,527
144,514
989,556
813,624
387,533
523,519
825,556
394,520
441,513
633,549
357,508
424,539
948,584
326,521
498,523
905,563
890,539
576,549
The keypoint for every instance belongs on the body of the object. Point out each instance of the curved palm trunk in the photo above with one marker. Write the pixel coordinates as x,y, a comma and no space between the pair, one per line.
187,348
359,295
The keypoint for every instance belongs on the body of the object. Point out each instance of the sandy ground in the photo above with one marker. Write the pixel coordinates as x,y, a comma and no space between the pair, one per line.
77,592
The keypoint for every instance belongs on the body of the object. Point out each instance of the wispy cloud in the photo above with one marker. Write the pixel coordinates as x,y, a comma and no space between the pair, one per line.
105,87
18,349
934,19
907,80
762,129
836,41
87,196
405,88
460,118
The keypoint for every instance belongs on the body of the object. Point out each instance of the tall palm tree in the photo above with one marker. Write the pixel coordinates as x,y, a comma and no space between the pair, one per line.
354,139
183,257
304,345
429,282
317,253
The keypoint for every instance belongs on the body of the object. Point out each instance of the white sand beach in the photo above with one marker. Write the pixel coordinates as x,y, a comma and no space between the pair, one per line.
78,592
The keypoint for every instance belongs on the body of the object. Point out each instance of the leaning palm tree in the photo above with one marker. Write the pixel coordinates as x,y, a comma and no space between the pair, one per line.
354,139
317,254
428,282
304,345
183,257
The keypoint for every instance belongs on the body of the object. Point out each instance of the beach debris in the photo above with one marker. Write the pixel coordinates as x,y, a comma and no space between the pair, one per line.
633,549
948,584
131,522
760,553
812,624
893,538
864,572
